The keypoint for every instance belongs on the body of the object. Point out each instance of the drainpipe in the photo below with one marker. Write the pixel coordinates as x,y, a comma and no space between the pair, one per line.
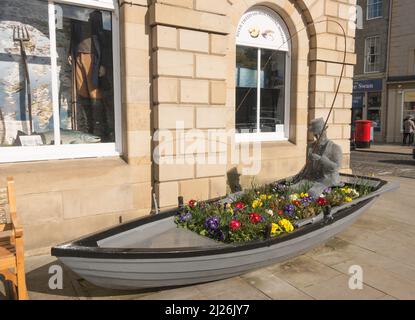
385,132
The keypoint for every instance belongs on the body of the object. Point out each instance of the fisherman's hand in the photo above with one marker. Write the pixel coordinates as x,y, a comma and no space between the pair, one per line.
315,156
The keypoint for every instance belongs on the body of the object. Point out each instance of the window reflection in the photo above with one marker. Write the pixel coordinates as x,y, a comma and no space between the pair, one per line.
246,88
272,90
24,96
271,99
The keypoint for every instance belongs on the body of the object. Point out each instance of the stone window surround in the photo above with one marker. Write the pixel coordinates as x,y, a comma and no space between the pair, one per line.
277,154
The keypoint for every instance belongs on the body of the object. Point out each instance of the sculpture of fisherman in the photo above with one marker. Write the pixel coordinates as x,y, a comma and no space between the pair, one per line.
323,162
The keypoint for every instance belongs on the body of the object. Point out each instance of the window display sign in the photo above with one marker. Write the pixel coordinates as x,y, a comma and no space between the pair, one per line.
263,28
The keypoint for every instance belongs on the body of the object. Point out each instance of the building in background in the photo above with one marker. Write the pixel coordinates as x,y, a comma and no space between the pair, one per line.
370,73
401,68
384,75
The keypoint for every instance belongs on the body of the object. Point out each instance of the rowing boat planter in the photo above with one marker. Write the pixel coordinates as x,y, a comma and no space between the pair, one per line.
154,251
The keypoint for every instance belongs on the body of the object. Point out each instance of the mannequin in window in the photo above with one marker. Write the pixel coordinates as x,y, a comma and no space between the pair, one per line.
88,49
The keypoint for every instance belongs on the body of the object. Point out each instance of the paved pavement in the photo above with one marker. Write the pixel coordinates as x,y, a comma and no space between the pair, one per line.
388,148
381,242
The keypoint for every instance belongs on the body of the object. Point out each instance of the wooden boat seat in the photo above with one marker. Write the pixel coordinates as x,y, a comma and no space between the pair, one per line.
11,243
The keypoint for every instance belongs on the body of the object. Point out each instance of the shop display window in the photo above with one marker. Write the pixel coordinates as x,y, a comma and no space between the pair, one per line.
57,87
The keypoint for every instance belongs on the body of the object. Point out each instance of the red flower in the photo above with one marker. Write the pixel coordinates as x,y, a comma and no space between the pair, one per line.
234,225
296,202
192,203
322,201
280,212
239,205
255,217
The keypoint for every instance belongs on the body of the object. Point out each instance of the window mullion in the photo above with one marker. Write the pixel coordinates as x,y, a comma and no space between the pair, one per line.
258,108
54,74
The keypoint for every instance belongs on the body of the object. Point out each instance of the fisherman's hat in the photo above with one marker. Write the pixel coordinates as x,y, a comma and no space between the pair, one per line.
316,125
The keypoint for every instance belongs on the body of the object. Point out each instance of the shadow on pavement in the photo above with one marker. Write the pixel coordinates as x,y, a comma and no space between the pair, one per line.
75,287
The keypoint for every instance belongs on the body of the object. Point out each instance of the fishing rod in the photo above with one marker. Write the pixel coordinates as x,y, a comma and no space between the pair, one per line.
338,85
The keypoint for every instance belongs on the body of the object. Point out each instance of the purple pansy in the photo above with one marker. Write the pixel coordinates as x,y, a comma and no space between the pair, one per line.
289,209
327,190
212,223
306,201
219,235
185,217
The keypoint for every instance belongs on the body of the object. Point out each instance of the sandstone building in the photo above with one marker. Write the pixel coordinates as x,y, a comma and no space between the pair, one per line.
135,77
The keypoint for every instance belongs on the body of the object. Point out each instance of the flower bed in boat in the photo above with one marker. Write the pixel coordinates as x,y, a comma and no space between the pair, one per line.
261,212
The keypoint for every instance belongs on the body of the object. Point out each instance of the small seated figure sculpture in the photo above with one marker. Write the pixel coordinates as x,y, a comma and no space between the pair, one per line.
323,163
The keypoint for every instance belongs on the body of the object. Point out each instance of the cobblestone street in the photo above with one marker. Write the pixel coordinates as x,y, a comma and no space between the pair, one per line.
383,164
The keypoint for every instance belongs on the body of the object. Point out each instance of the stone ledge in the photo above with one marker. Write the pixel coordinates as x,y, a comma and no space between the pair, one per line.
65,164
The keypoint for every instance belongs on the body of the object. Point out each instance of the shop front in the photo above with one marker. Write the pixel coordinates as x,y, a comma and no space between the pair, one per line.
401,106
367,104
109,110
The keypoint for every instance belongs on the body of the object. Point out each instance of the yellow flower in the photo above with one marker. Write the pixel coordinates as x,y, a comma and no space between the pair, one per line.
265,197
354,193
256,203
348,199
275,228
346,190
294,196
286,224
302,195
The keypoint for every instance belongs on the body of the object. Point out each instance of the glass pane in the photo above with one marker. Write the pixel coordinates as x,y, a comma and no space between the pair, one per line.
85,74
374,8
246,88
409,105
374,103
25,84
372,54
272,90
374,100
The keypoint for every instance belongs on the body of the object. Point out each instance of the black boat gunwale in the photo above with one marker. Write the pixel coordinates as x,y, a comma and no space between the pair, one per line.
87,246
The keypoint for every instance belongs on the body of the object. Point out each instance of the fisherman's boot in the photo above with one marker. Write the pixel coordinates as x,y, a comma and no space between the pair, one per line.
98,117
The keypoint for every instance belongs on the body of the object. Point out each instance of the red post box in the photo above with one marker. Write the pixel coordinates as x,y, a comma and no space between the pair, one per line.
362,133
